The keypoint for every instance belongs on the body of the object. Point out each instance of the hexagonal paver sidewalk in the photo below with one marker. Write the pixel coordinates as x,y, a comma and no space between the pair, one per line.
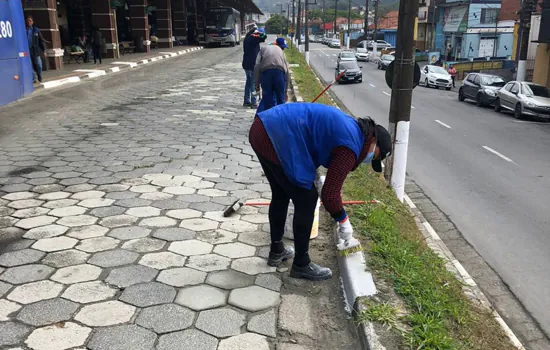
114,222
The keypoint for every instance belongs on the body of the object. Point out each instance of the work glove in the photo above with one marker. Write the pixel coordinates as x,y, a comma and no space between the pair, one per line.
345,230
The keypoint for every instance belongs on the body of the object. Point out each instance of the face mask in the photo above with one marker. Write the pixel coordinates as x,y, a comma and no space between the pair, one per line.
369,157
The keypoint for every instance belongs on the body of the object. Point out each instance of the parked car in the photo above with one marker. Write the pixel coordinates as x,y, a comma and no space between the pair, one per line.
334,43
384,61
325,40
362,54
435,76
318,38
345,55
353,72
481,88
524,99
380,45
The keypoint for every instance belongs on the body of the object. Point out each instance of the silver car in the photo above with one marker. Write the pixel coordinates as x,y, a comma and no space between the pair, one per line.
346,55
524,99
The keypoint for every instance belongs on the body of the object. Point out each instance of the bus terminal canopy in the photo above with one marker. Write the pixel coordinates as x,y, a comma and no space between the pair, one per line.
243,6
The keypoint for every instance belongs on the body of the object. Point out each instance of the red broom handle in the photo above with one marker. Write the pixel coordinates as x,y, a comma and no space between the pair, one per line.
329,85
374,201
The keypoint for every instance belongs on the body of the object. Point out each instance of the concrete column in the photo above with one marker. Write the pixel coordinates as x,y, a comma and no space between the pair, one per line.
164,23
140,22
44,14
179,19
104,18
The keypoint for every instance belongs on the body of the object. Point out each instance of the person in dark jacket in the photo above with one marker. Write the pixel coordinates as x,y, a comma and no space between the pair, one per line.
97,41
291,141
251,48
36,46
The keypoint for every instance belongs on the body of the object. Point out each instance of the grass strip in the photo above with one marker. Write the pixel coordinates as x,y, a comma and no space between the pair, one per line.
438,315
305,78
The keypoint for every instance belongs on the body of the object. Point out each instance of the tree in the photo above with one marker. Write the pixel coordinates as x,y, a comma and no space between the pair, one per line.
276,24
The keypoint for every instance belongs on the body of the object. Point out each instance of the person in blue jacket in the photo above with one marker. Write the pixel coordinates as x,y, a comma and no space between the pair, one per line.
291,141
251,48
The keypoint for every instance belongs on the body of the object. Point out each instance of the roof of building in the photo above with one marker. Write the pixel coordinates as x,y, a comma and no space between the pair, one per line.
244,6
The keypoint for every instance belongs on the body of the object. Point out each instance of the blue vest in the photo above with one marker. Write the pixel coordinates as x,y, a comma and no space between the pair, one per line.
305,134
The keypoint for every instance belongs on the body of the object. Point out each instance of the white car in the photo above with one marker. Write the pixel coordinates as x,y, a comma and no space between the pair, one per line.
334,43
362,54
435,76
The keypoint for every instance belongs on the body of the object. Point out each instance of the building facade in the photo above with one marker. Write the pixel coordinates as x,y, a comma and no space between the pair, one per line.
474,29
63,21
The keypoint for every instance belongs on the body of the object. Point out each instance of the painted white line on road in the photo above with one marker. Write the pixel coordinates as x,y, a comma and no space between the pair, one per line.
498,154
56,83
445,125
386,93
131,64
413,107
372,85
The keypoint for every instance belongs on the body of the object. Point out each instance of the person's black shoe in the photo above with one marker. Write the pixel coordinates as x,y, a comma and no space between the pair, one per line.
247,104
275,259
312,272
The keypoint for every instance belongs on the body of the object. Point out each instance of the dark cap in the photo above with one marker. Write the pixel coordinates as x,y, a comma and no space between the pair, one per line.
281,42
383,141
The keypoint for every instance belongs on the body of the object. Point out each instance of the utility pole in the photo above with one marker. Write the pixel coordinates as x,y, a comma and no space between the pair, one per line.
288,19
293,20
335,15
299,25
401,96
323,17
527,8
432,44
366,19
495,44
376,21
349,25
306,3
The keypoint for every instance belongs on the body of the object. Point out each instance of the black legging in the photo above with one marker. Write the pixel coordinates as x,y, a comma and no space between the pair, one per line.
97,53
304,201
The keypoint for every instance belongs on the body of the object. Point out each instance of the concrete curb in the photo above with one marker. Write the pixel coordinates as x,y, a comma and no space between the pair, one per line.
120,66
470,287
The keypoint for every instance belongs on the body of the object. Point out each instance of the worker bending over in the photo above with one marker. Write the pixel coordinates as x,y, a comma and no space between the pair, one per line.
291,141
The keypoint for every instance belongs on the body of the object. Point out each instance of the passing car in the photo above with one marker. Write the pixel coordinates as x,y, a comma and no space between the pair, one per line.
524,99
482,88
435,76
346,55
380,45
334,43
353,72
384,61
362,54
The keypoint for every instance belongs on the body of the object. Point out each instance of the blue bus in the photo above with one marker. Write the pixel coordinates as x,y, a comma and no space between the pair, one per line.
16,74
223,26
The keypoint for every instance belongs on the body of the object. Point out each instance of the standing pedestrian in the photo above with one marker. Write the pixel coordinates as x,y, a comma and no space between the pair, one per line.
452,72
291,141
251,48
449,52
83,44
97,41
273,74
36,47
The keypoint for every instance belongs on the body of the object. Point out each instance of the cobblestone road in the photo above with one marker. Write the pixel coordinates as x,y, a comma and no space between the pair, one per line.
111,227
119,214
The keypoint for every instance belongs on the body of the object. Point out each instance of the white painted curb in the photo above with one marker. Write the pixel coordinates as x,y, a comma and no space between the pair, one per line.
94,73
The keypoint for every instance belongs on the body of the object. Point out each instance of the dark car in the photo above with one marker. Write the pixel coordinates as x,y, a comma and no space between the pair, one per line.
481,88
385,61
353,72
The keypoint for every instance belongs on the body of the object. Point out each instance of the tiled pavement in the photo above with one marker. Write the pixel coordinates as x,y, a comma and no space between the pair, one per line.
111,229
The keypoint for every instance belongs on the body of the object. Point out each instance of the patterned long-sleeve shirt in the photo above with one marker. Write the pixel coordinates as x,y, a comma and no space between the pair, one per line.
343,161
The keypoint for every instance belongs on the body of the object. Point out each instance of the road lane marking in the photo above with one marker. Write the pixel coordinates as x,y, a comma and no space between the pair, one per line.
445,125
413,107
385,93
498,154
372,85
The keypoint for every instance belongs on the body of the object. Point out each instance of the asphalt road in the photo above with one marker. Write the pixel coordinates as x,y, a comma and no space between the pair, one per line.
488,172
